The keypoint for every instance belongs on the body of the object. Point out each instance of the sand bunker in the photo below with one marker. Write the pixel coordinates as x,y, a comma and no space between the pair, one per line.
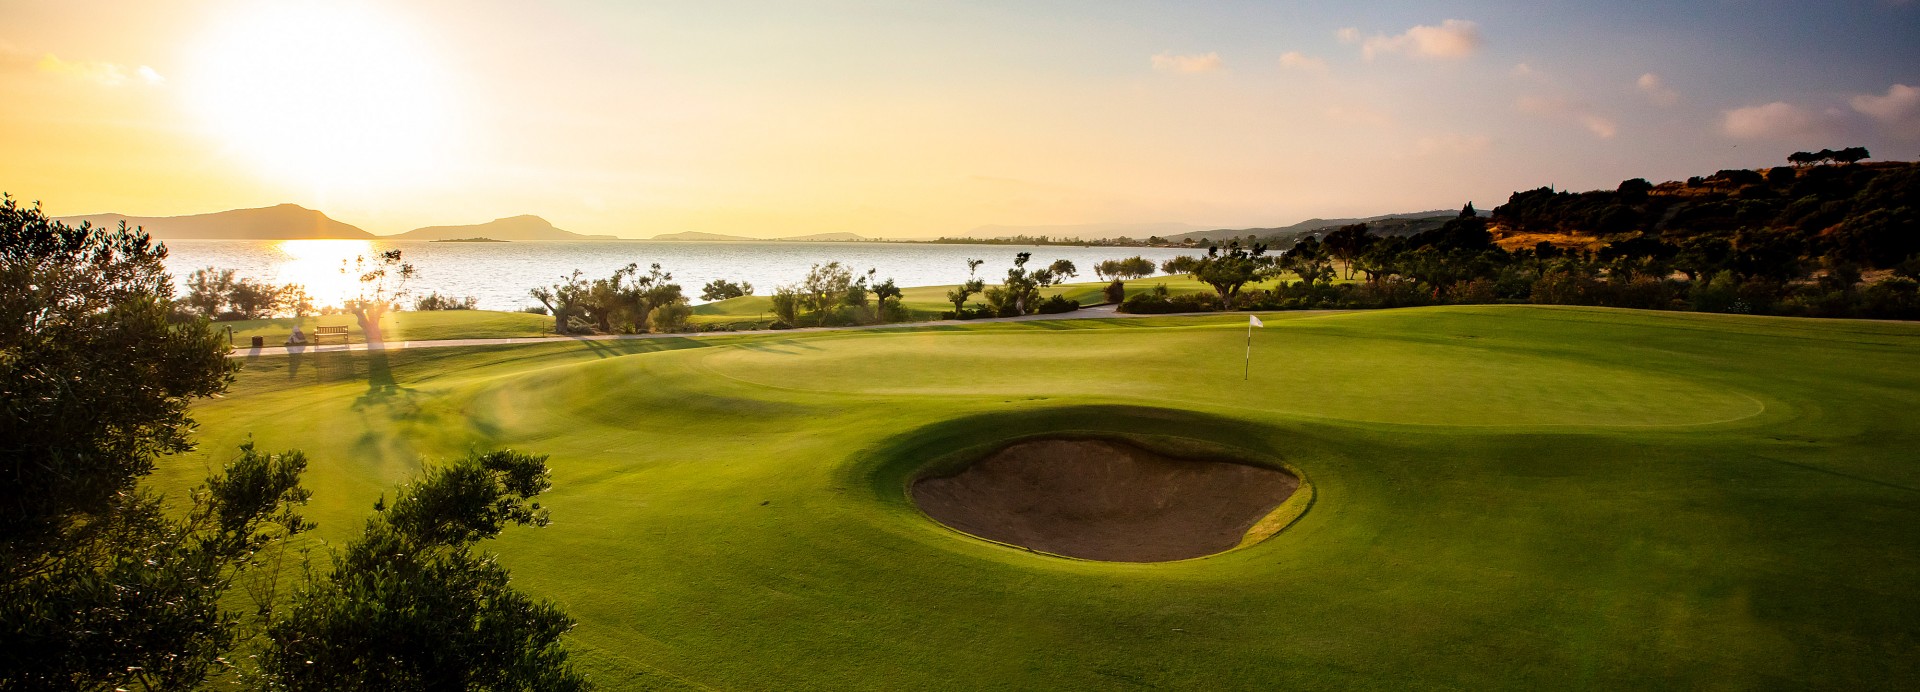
1103,500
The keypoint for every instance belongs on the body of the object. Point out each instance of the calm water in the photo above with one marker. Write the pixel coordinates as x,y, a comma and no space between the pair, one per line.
500,274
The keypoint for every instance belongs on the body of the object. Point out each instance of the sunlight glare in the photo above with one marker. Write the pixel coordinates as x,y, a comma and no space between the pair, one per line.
316,265
327,94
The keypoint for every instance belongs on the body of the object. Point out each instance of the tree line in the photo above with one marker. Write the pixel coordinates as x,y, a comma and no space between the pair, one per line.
1829,241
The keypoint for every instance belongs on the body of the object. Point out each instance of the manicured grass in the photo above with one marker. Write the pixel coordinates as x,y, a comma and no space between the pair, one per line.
403,326
1507,497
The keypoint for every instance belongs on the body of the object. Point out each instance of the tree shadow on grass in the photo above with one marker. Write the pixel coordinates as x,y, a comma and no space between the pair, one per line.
382,388
785,347
626,347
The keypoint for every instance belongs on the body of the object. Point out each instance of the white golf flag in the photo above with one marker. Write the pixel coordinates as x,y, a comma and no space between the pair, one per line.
1246,366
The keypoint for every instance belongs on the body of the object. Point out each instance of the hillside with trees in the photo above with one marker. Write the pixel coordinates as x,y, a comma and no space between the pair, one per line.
1826,237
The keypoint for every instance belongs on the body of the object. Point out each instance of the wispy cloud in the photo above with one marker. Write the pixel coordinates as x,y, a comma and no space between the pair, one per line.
1187,64
1524,71
102,73
1656,89
1898,109
1569,111
1296,60
1777,120
1451,39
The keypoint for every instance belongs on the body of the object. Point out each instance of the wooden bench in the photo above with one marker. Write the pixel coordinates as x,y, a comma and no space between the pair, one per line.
320,334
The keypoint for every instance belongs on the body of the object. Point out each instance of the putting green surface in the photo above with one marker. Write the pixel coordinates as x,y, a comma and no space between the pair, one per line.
1505,497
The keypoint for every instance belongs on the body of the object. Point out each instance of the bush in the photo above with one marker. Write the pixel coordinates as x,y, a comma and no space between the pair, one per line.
1115,292
1562,287
1390,294
722,289
1056,305
534,310
1475,292
976,312
217,294
435,301
1895,298
1160,303
1720,293
669,318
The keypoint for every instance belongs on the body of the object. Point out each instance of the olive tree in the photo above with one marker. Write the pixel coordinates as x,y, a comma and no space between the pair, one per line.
381,284
412,603
100,585
973,285
1227,272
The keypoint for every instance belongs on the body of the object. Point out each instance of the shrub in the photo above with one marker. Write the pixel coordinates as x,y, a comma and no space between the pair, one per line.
786,304
1562,287
435,301
1390,294
722,289
219,295
1892,298
1057,304
534,310
1475,292
669,318
1159,303
1720,293
1115,292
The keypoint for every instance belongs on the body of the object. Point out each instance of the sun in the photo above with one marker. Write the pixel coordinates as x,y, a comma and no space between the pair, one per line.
325,93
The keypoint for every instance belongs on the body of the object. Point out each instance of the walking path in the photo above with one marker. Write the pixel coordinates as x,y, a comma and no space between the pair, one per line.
1098,312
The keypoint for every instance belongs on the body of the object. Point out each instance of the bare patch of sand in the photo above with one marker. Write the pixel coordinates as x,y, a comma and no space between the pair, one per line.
1105,500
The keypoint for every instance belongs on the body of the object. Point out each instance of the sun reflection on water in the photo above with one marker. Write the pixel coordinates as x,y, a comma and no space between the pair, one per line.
316,264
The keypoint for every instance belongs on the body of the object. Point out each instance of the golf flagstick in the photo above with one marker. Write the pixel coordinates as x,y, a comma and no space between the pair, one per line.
1247,366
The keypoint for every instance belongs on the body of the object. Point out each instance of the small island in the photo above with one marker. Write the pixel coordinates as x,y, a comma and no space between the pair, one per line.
469,240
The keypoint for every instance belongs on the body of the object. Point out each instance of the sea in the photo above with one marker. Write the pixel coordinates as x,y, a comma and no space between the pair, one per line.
500,275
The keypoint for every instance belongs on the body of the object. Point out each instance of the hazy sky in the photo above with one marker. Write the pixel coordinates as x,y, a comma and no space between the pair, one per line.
921,118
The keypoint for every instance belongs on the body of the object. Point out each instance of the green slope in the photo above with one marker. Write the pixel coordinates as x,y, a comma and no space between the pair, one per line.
1508,497
402,326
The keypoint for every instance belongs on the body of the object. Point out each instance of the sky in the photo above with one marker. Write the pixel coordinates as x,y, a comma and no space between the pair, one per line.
923,118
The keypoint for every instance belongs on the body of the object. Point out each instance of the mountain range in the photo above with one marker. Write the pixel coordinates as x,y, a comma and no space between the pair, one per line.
1407,223
283,222
523,227
1085,231
294,222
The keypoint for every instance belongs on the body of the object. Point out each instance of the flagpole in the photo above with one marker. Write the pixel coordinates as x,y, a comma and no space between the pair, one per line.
1246,366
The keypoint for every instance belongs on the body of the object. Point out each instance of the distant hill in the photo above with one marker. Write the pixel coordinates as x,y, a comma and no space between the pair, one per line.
524,227
826,237
697,235
814,238
1408,223
283,222
1086,231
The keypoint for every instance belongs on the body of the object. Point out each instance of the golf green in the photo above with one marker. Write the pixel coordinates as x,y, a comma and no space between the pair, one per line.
1503,497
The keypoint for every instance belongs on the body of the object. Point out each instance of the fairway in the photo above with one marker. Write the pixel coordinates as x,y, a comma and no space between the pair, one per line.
1503,497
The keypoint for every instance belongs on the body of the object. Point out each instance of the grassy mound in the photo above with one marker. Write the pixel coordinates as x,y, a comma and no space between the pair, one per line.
1503,497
